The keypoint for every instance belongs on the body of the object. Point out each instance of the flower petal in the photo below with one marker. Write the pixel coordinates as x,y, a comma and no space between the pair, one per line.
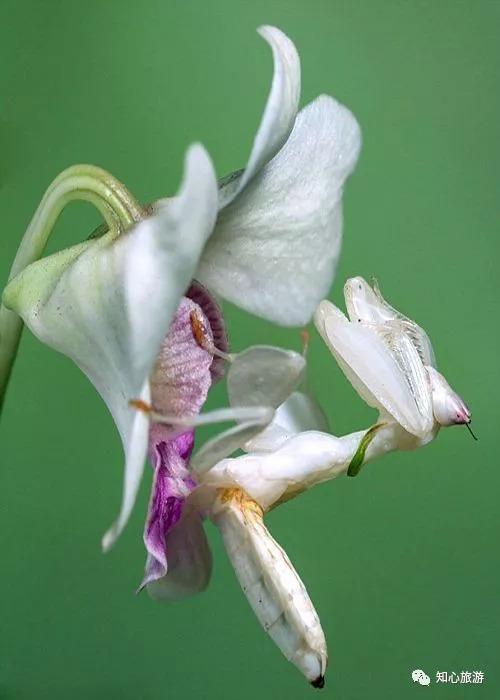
163,255
260,376
227,442
279,114
181,377
274,251
171,486
108,303
263,375
374,372
299,413
189,561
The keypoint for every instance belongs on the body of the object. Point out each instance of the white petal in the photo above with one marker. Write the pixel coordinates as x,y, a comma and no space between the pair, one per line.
134,429
279,114
224,444
373,370
274,251
263,375
162,256
260,377
272,586
189,561
299,413
108,303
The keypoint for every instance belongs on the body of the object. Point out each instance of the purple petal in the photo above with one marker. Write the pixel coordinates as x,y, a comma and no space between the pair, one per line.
172,485
181,377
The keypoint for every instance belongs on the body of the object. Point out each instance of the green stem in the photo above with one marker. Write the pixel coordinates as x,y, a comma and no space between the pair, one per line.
79,182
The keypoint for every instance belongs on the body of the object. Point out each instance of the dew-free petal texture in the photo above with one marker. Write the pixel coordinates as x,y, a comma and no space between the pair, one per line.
227,442
260,377
274,250
172,485
108,304
373,370
279,113
182,376
263,375
299,413
163,255
189,561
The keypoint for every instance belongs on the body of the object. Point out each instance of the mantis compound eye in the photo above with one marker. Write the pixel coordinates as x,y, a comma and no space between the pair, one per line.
361,302
448,407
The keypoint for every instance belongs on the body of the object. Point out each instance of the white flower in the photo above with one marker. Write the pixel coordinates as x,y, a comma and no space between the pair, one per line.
268,240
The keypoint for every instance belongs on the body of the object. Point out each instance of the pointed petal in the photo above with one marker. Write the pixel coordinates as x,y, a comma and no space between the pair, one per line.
108,303
261,377
227,442
299,413
272,586
279,114
372,369
274,251
135,430
163,255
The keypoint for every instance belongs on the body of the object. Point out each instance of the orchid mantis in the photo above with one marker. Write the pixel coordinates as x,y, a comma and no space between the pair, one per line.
126,306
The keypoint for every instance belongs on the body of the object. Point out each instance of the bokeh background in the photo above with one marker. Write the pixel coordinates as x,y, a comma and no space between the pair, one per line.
401,562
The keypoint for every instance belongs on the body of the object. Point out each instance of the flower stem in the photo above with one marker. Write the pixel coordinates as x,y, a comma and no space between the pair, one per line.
79,182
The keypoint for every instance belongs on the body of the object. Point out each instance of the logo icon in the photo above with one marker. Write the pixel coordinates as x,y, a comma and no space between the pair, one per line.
419,676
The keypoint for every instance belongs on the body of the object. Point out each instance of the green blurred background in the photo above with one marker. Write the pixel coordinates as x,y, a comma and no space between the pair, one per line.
402,562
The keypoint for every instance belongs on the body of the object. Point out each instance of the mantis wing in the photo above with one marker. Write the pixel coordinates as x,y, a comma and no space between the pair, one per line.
386,371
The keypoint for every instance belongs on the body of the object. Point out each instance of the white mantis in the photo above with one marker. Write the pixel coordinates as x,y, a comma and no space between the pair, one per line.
389,360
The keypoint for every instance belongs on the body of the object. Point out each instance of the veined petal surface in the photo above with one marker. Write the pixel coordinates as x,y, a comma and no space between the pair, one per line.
274,250
299,413
279,114
260,377
179,560
107,304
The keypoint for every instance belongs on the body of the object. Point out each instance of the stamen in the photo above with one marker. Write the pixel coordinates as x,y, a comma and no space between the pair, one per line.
467,425
203,339
141,405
